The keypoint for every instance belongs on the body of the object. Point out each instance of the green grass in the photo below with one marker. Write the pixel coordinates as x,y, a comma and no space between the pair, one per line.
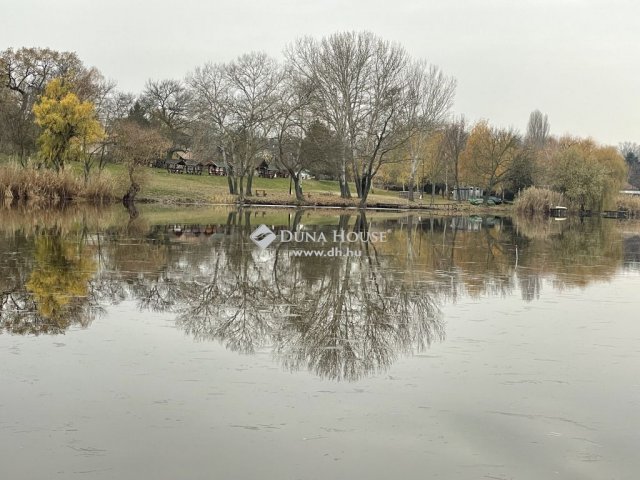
171,188
182,188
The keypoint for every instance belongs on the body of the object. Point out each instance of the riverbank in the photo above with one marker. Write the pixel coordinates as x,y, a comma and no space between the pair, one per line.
181,189
158,186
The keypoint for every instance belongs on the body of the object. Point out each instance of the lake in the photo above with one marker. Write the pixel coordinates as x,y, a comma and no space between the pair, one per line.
325,345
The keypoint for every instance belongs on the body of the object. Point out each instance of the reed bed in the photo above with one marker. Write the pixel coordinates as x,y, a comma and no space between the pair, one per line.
538,201
44,185
629,203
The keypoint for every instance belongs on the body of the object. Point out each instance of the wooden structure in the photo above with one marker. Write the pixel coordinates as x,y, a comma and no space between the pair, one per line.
193,167
465,193
265,170
214,168
175,166
615,214
558,211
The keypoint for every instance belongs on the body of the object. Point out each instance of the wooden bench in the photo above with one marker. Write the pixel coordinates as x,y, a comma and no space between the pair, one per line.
261,193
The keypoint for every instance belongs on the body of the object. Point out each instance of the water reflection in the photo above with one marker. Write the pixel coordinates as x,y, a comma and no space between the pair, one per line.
47,290
341,317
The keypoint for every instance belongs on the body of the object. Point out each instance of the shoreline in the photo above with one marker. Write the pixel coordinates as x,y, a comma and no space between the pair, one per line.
444,209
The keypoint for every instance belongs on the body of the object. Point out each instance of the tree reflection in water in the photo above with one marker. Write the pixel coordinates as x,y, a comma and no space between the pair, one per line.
50,291
341,317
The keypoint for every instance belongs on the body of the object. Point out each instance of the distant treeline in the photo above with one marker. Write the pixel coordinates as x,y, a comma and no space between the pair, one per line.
350,106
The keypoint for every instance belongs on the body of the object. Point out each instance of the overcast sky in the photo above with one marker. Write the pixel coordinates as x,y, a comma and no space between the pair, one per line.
576,60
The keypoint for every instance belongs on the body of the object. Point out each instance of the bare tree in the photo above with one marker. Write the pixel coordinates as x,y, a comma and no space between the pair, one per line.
254,79
137,146
292,123
212,105
537,130
454,141
368,93
167,102
383,129
239,100
339,66
430,96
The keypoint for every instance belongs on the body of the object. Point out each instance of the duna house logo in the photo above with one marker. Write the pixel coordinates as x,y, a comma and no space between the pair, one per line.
262,236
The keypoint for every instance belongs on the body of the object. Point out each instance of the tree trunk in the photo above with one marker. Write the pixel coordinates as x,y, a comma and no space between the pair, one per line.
130,197
297,187
366,188
249,184
232,183
457,181
412,176
344,186
240,187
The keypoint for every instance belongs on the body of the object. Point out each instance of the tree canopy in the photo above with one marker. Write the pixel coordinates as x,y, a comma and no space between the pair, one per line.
68,125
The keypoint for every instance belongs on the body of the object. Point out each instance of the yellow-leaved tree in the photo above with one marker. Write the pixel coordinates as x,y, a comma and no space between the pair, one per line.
60,278
588,174
68,125
489,156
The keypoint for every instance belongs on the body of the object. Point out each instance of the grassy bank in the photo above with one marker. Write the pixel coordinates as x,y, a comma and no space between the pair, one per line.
162,187
169,188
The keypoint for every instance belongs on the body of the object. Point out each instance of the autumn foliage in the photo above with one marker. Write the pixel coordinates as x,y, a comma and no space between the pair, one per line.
68,125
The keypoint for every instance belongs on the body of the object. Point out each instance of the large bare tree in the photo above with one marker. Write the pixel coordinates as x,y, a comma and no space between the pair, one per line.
212,106
238,100
370,95
384,128
340,66
430,96
254,79
167,104
292,125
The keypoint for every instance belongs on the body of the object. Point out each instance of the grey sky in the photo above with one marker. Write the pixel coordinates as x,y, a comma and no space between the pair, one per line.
576,60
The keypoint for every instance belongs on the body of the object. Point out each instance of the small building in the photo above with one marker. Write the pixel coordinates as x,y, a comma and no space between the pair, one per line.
175,166
271,171
215,168
465,193
193,167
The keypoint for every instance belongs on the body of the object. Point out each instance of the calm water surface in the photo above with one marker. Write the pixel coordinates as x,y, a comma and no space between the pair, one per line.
171,346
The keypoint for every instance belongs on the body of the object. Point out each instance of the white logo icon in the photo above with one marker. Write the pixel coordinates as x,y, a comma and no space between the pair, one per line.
262,236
